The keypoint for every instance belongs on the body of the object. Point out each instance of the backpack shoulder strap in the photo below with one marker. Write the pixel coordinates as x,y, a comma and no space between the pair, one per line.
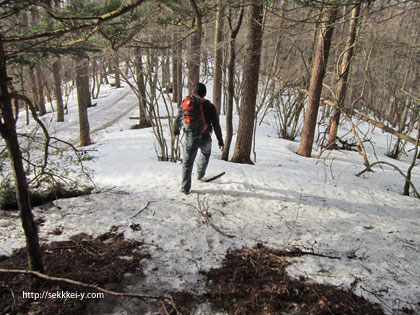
203,118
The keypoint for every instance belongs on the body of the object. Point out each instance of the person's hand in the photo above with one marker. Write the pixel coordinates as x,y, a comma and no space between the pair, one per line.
175,137
222,147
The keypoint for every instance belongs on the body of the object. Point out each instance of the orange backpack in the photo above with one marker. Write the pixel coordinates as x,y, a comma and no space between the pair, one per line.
193,120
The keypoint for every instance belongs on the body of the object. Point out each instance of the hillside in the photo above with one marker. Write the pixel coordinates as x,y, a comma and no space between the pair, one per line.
361,233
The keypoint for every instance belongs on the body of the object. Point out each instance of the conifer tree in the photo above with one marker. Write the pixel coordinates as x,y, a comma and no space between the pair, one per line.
13,47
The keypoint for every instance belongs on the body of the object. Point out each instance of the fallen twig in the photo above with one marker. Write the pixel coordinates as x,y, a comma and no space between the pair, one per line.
303,252
205,213
145,207
86,285
215,177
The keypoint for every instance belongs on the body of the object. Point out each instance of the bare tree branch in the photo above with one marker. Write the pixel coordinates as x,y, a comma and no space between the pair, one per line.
86,285
369,168
366,119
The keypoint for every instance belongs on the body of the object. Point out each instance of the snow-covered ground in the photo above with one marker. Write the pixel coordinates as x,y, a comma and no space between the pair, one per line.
284,200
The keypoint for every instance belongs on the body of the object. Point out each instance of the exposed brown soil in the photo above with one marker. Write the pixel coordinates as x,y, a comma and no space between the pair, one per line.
255,281
83,258
250,281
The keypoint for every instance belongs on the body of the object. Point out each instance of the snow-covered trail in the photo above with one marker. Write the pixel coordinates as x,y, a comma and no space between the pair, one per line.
284,200
111,105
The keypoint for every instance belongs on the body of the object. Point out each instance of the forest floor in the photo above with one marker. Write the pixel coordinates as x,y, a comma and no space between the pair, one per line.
201,254
250,281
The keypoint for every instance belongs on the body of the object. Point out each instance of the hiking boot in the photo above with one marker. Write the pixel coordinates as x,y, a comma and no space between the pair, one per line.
185,192
200,178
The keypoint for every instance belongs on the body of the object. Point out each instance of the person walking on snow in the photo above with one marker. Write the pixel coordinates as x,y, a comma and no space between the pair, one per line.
195,141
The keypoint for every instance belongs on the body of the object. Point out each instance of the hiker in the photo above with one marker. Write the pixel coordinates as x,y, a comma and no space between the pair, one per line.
197,133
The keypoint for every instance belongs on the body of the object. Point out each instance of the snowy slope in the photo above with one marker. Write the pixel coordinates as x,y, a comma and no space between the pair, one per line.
284,200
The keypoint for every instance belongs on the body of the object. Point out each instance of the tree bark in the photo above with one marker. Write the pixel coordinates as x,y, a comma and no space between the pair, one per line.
174,73
177,74
86,83
40,91
194,51
8,132
367,119
57,90
343,75
179,80
31,73
116,60
36,76
318,72
83,101
231,82
143,121
218,58
96,81
243,144
412,165
166,77
104,73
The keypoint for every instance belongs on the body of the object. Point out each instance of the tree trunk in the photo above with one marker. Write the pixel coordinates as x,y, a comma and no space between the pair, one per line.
343,75
180,83
218,58
85,83
104,73
229,105
143,122
165,70
33,84
8,132
152,74
116,59
96,80
57,90
318,72
243,146
83,101
175,74
40,91
36,76
413,163
231,82
194,51
367,119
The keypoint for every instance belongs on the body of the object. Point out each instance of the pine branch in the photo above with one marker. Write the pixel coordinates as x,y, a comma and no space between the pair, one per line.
93,24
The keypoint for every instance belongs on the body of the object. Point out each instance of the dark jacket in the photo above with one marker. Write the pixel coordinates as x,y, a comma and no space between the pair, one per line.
212,121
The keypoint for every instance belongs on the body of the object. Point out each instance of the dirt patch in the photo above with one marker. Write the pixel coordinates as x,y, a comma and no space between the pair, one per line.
250,281
102,261
255,281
